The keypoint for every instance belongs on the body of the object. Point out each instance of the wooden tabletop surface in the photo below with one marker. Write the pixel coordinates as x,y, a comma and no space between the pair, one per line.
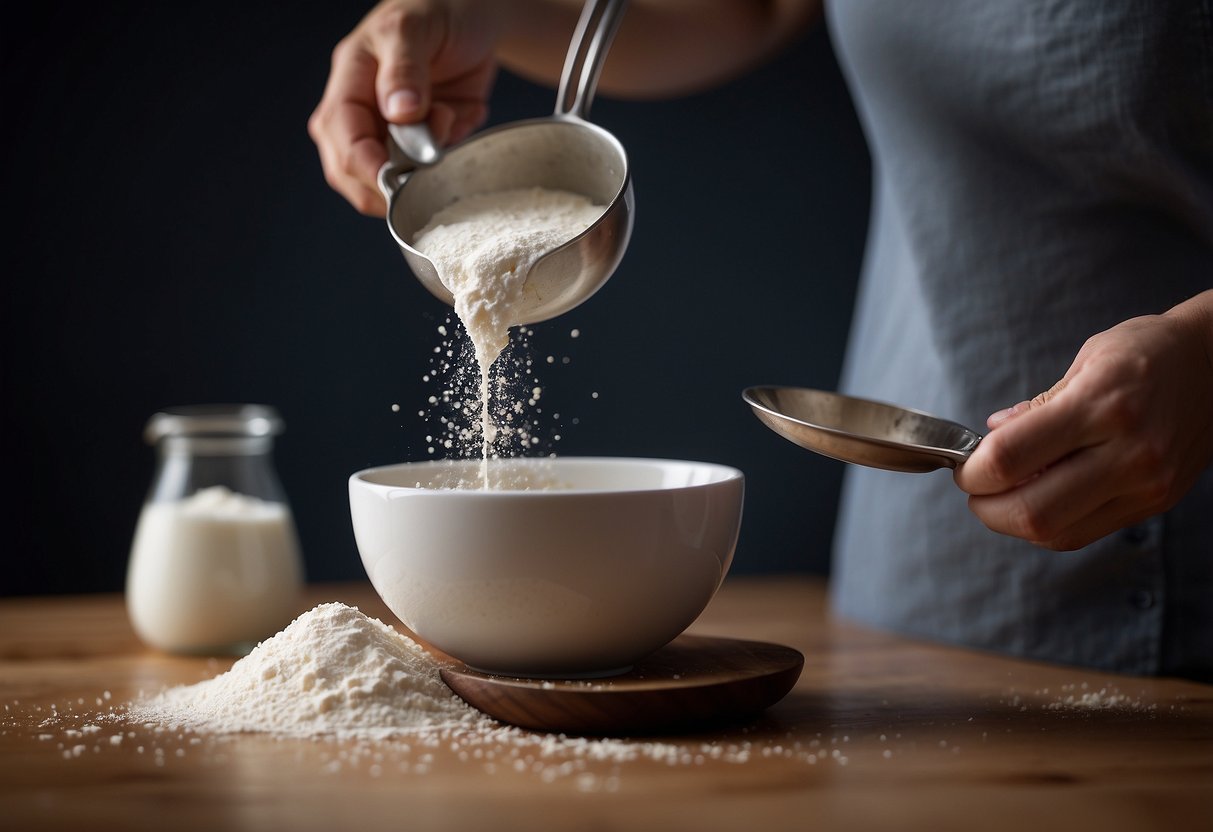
880,733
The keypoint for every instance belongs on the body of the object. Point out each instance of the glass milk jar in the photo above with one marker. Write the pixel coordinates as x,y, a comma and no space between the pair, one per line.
215,564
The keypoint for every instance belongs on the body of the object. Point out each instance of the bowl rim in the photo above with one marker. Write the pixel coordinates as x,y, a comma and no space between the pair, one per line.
727,474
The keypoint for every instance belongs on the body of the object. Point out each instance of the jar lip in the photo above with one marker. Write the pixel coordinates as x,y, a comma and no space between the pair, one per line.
217,420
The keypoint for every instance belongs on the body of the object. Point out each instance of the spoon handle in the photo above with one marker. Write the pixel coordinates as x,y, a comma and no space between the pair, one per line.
587,52
415,142
409,146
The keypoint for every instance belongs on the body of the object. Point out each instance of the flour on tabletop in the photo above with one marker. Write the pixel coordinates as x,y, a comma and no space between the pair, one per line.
160,735
331,671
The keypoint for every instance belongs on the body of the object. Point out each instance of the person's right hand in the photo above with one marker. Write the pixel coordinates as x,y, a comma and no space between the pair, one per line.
407,61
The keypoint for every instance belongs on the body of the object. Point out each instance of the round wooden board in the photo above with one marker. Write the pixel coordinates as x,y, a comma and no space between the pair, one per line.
692,680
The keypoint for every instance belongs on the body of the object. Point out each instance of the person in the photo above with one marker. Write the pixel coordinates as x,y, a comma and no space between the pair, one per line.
1040,249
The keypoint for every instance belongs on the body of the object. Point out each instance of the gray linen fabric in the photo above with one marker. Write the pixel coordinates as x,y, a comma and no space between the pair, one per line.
1043,170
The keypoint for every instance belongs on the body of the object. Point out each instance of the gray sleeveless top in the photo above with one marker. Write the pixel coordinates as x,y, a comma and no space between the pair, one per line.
1043,169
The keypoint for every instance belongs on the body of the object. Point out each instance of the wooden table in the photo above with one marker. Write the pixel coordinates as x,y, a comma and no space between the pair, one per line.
880,732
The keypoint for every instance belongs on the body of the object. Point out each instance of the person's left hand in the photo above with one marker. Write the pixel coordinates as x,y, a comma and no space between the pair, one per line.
1120,438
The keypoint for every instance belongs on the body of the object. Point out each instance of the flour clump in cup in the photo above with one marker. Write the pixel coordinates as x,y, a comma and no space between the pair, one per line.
483,247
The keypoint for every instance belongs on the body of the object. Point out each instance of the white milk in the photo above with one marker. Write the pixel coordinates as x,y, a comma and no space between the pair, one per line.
483,247
215,571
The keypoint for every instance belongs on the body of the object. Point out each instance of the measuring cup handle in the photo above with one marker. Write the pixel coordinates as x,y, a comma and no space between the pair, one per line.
409,146
392,176
588,50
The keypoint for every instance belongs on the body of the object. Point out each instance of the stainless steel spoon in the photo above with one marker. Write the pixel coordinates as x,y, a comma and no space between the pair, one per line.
563,151
865,432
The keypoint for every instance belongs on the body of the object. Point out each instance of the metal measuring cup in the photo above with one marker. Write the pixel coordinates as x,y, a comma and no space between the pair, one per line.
562,151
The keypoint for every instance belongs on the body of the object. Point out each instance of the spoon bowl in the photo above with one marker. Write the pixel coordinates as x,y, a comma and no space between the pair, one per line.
862,431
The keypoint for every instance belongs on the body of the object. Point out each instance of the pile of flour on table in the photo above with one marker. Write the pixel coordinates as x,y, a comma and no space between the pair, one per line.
483,247
332,671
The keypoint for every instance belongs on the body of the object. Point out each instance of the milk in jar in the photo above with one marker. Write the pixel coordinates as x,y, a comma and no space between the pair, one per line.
215,564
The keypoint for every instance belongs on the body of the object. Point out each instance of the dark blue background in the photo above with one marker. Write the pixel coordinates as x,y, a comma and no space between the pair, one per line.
169,239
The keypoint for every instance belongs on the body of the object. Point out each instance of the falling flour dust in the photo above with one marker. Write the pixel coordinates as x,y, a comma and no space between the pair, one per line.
483,247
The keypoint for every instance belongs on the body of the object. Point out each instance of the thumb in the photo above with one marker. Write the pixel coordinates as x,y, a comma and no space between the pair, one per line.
402,82
1001,417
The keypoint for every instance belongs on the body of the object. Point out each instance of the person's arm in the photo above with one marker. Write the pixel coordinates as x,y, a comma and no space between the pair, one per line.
415,60
664,47
1122,437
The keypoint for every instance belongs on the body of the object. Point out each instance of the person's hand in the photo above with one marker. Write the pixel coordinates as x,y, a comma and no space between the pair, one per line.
407,61
1120,438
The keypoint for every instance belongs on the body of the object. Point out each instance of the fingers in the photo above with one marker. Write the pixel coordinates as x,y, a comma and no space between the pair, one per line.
1001,416
441,120
1115,514
454,121
1121,439
347,129
1031,438
458,105
398,67
403,42
1104,519
1065,507
377,74
355,152
366,155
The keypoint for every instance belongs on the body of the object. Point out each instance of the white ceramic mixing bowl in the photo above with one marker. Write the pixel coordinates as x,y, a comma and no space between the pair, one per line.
607,561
